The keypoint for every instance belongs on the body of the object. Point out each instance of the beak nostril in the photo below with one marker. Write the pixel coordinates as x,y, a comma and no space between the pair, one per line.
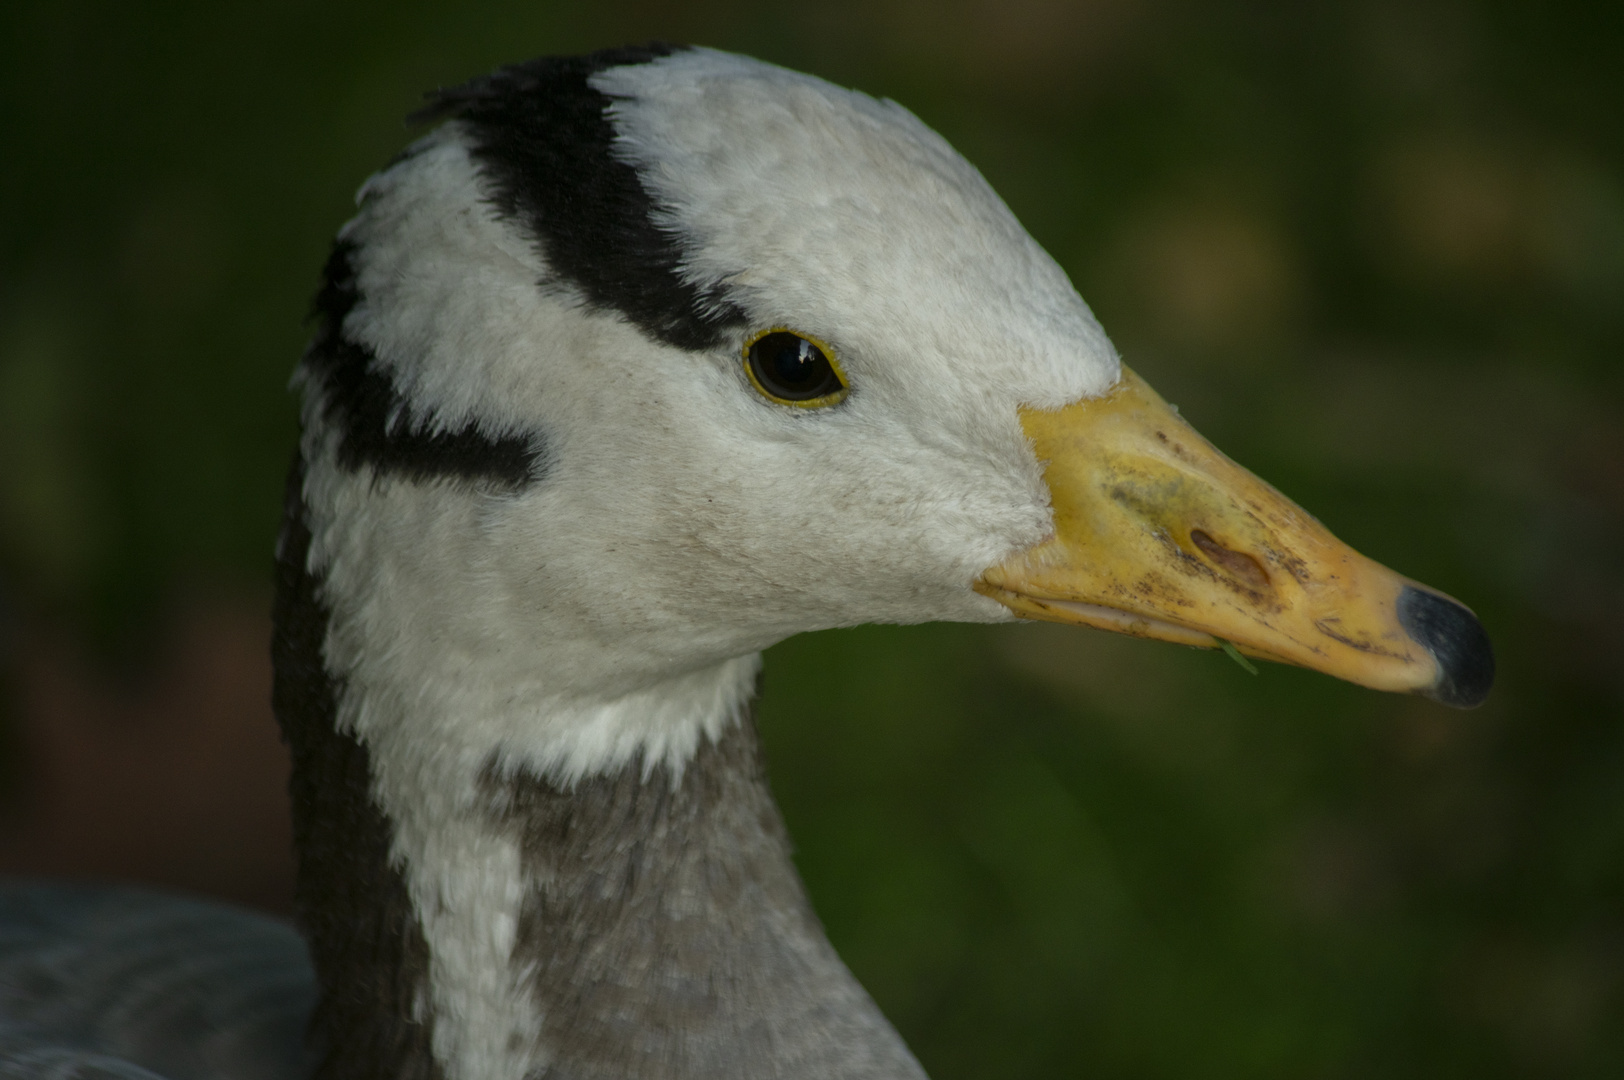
1238,563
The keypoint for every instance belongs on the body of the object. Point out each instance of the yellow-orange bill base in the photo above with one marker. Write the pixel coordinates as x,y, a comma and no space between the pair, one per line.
1159,535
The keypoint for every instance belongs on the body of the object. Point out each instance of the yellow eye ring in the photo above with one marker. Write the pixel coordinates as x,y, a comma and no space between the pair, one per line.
794,368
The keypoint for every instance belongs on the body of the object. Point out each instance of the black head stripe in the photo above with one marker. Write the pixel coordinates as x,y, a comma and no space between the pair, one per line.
377,427
546,144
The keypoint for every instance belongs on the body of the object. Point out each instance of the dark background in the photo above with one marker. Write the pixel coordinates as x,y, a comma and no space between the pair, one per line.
1375,250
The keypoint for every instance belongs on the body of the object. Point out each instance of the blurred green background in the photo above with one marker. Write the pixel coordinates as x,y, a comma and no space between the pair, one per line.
1373,249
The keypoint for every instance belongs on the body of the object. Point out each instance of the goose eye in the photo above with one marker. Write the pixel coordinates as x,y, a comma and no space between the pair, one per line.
794,369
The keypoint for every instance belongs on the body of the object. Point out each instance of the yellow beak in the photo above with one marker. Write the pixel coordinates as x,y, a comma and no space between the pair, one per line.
1159,535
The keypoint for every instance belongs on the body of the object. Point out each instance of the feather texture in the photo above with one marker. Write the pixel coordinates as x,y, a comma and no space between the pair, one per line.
108,981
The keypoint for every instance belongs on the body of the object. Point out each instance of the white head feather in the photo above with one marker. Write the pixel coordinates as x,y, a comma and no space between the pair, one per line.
685,522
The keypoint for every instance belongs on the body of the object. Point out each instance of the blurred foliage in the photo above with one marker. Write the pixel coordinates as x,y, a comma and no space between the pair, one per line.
1374,249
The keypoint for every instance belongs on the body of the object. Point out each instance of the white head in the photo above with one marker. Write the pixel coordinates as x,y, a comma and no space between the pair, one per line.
563,299
557,518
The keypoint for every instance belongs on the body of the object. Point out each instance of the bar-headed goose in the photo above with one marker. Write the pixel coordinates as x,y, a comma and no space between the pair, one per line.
637,364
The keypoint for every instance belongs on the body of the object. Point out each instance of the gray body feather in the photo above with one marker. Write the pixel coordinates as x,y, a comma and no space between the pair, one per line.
113,982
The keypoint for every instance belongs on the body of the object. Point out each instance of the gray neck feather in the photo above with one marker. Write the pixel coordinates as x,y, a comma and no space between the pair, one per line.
669,935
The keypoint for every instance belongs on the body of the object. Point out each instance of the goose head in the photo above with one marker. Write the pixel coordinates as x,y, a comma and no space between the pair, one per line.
642,367
643,361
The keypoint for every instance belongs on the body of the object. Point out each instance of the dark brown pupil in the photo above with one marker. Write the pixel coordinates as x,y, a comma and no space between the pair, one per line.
789,366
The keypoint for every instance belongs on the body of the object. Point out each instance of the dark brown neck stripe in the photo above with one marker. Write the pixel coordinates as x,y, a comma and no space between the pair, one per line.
368,948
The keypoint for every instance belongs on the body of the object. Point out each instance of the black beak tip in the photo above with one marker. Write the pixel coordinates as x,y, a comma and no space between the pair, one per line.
1456,640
